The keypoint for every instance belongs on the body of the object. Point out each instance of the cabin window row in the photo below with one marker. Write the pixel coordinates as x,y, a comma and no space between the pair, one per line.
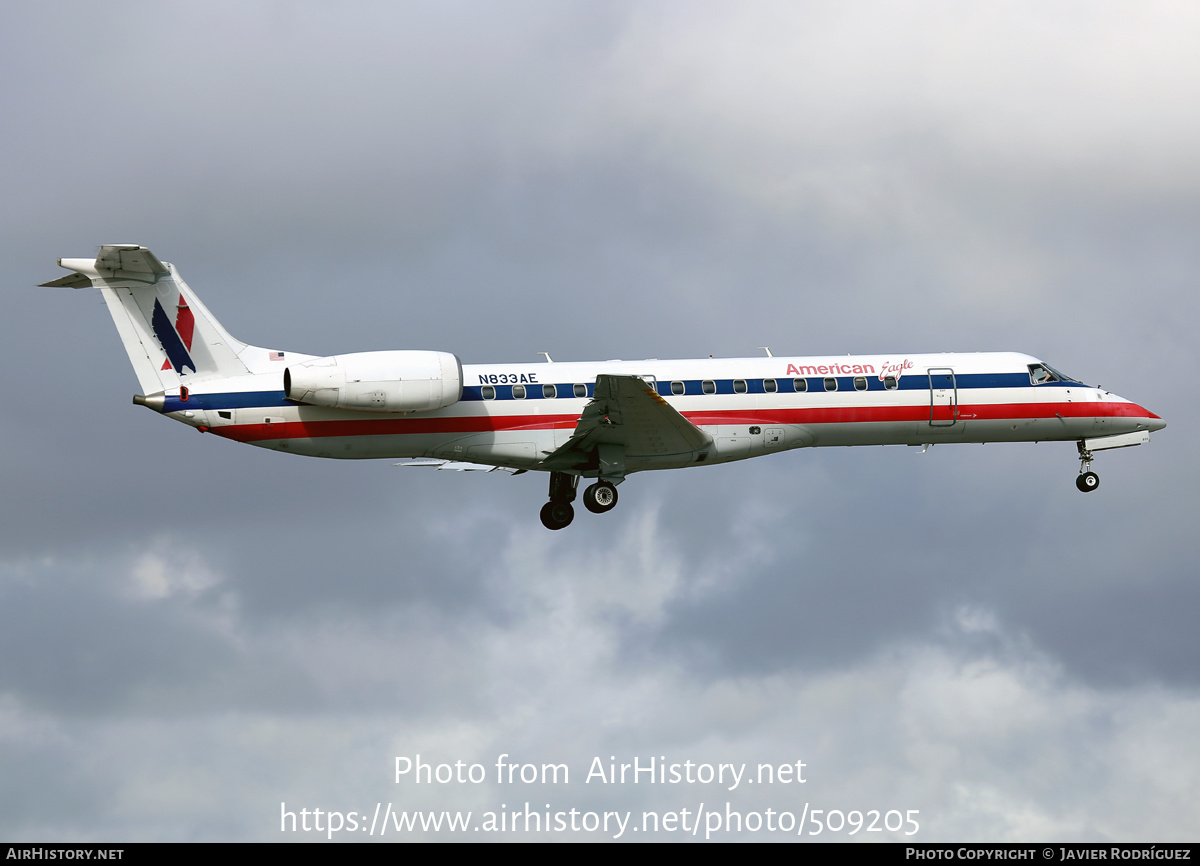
771,386
707,386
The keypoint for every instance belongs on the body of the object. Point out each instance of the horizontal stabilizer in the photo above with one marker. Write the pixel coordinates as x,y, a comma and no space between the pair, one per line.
129,262
115,263
72,281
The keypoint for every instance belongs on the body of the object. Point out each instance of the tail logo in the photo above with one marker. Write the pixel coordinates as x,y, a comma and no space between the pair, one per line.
176,340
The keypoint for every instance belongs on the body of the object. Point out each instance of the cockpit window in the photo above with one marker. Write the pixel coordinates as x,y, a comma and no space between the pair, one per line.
1041,374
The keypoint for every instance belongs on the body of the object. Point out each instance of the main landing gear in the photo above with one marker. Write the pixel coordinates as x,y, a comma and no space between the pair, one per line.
600,497
1087,480
557,515
558,512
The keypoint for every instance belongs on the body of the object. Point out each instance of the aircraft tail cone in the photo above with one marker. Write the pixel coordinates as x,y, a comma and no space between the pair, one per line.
151,401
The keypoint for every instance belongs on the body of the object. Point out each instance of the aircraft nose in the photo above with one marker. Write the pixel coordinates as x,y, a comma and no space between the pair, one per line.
1147,420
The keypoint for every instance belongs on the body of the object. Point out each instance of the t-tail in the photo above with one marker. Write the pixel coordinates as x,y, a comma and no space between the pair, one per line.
171,337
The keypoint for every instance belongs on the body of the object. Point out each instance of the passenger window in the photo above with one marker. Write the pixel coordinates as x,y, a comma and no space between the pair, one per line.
769,386
549,391
890,383
677,388
800,385
708,386
489,393
860,383
518,392
830,383
580,390
739,386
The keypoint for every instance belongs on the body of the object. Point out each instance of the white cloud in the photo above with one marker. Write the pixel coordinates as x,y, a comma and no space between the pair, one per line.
167,571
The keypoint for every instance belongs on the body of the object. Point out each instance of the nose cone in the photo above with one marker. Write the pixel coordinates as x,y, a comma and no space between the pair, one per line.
1146,420
1126,414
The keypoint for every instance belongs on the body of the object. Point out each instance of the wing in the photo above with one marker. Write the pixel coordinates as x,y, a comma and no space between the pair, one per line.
626,412
458,466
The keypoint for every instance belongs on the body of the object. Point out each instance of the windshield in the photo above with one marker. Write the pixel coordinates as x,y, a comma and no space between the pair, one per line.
1041,374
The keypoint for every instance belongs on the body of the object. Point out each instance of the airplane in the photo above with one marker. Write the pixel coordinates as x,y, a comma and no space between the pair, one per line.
597,420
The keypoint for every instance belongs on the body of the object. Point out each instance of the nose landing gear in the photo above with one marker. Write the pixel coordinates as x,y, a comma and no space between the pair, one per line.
1087,480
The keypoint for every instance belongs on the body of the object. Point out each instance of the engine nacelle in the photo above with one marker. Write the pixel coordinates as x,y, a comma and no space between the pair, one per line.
377,381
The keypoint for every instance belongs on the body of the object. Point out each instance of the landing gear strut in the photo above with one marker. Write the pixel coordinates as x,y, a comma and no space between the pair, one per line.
558,513
1087,480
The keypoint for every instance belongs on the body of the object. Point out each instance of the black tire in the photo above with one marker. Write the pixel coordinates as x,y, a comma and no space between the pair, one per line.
557,515
1087,482
600,497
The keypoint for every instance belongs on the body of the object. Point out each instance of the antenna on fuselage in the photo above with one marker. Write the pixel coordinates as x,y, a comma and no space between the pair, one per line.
549,360
767,349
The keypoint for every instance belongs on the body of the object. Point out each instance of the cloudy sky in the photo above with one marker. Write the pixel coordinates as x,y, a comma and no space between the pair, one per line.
193,632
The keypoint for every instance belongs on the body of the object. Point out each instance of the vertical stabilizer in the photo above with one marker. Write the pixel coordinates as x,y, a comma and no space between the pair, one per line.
170,336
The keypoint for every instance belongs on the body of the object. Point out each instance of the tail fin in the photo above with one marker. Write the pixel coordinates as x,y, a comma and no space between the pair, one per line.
170,336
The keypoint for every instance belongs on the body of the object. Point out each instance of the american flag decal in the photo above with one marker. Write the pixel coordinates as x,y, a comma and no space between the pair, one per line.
275,356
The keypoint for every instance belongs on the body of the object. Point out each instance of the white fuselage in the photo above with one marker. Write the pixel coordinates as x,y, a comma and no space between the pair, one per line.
513,415
601,420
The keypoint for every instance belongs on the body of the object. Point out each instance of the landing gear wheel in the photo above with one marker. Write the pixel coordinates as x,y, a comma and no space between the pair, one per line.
1087,482
600,497
557,515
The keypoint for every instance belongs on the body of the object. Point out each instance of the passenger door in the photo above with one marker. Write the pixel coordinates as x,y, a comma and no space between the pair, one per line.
943,397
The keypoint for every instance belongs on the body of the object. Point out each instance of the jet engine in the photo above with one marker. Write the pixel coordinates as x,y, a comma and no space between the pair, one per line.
403,381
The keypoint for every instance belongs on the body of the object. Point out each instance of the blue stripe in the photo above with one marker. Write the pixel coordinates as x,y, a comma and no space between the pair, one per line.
231,400
692,387
816,385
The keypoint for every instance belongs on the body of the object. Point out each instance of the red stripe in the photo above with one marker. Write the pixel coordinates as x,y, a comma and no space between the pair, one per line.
394,426
980,412
831,415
